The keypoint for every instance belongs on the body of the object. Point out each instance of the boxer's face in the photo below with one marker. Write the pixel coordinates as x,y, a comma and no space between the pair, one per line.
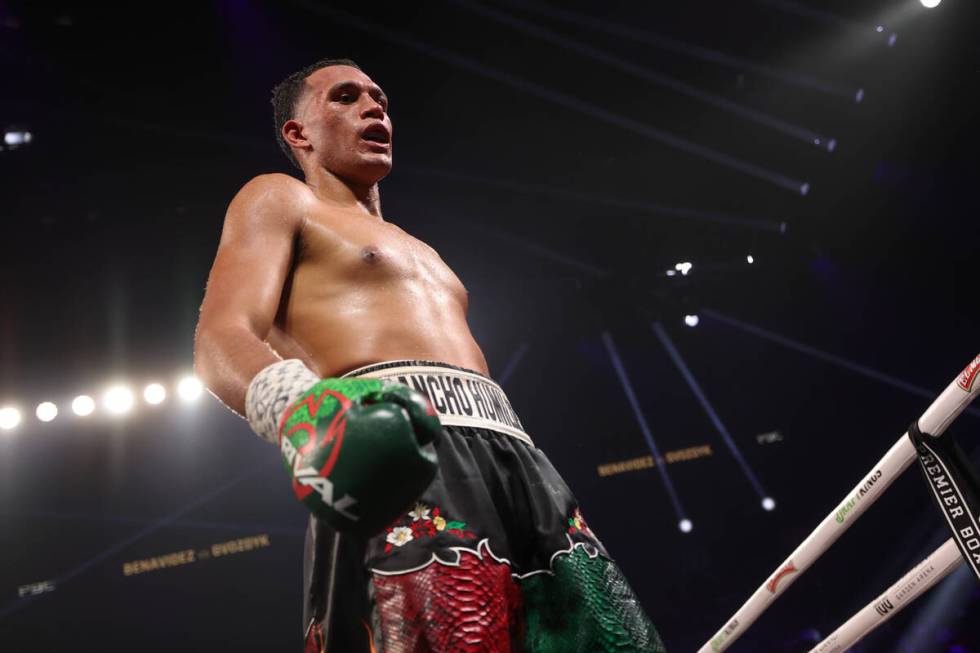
344,117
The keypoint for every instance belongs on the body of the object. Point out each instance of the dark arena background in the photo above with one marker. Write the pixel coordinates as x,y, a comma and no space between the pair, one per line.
718,254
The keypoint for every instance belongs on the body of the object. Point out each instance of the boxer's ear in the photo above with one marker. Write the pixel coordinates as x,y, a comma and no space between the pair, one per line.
293,132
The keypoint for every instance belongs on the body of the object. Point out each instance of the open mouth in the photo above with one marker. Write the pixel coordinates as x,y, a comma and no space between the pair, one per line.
378,134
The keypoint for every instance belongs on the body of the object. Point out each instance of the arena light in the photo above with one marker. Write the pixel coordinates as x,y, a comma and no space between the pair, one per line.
154,394
118,400
9,418
768,504
83,405
750,259
189,388
691,320
14,137
685,525
930,4
684,267
46,411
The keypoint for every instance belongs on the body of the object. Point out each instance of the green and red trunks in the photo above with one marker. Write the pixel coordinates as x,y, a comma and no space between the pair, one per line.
495,557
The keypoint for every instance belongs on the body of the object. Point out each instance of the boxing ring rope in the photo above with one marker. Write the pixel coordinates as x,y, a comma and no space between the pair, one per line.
932,424
940,563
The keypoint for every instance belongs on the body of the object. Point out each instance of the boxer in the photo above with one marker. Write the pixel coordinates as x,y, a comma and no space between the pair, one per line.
436,524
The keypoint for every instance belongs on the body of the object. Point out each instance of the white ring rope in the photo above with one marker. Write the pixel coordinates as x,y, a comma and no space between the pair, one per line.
934,421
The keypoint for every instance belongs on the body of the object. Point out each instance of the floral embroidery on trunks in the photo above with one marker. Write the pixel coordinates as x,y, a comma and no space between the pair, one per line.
421,522
576,524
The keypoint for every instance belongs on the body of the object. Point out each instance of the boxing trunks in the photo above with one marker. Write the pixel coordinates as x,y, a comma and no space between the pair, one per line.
495,556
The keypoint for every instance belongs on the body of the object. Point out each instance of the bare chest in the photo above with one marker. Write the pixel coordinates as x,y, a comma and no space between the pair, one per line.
363,251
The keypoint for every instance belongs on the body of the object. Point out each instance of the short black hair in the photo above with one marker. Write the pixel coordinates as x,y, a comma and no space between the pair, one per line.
286,94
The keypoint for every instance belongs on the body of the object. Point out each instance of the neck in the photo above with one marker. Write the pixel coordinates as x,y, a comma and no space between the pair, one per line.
330,188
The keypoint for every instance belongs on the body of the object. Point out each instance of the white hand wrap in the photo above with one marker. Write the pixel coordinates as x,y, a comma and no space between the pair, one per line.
272,391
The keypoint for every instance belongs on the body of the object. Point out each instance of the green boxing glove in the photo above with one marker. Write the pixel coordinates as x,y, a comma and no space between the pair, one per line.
359,451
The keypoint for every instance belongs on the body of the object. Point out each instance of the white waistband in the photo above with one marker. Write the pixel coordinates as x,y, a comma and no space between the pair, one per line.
461,397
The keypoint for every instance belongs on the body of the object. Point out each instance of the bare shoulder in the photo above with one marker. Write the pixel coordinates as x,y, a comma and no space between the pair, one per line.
274,182
273,199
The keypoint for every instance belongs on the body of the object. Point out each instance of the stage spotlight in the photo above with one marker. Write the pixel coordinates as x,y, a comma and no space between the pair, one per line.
83,405
189,388
14,137
768,503
154,393
46,411
930,4
9,418
685,525
684,267
750,259
691,320
118,400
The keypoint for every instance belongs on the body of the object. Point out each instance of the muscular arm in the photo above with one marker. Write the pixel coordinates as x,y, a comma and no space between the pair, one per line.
245,286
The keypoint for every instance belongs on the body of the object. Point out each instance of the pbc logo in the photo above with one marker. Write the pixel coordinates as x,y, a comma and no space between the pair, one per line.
773,583
884,607
969,375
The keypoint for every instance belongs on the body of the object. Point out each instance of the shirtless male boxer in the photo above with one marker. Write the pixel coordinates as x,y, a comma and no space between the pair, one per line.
436,524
